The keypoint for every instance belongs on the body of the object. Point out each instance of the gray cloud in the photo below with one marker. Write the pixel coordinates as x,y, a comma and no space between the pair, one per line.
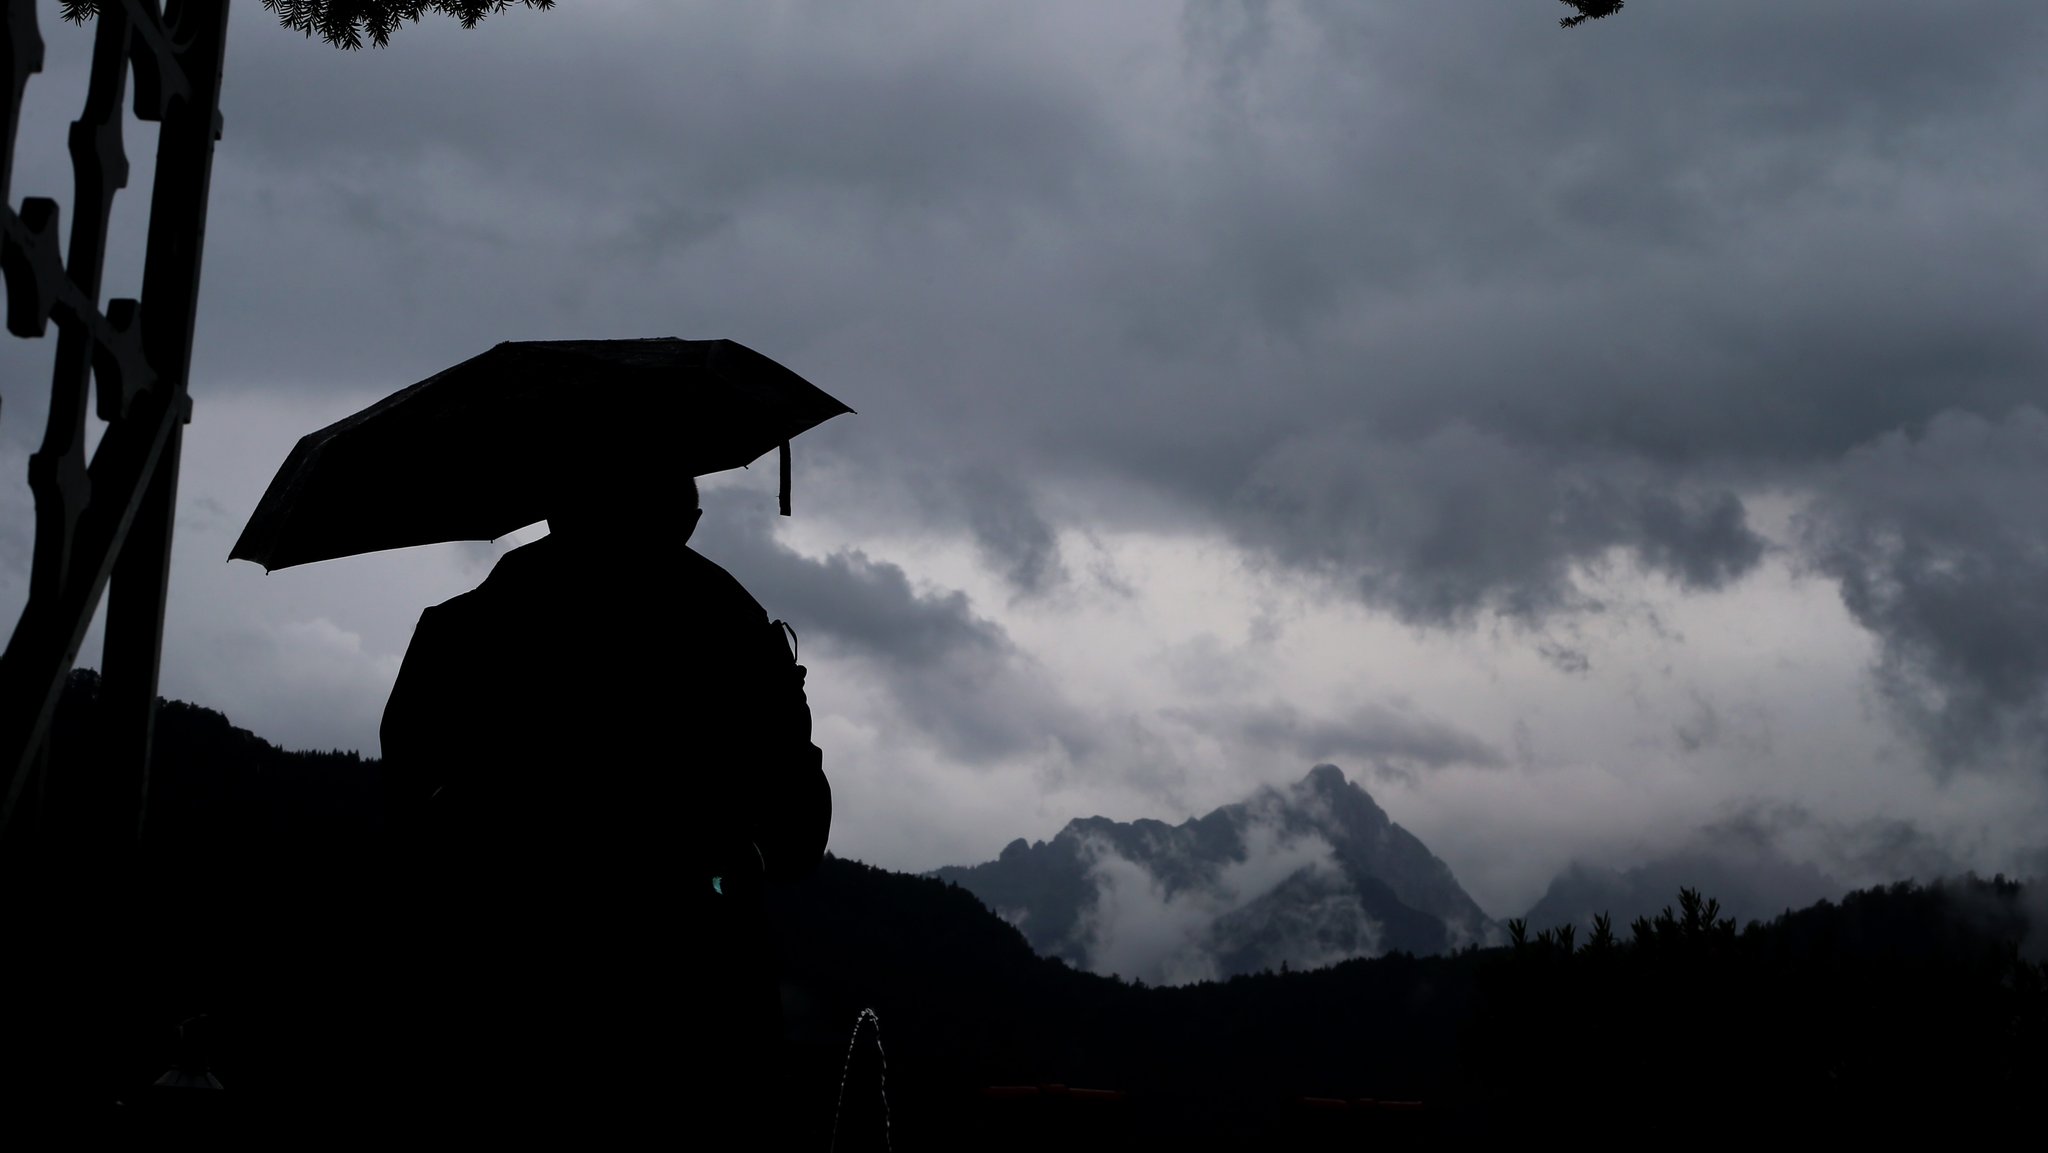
953,674
1563,657
1368,733
1013,537
1940,543
1463,521
1702,545
1443,307
1894,847
1739,729
1861,852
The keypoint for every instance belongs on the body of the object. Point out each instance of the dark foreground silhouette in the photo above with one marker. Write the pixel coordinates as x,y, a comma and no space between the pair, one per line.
1908,1008
579,858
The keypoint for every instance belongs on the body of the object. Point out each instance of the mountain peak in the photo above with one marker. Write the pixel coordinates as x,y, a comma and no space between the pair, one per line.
1325,776
1342,803
1308,872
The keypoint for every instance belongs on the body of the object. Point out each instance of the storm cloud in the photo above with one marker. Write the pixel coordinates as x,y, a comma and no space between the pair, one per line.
1367,734
1462,521
955,675
1339,353
1940,542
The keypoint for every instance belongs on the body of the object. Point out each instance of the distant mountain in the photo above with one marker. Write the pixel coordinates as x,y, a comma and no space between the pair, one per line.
1302,877
1750,887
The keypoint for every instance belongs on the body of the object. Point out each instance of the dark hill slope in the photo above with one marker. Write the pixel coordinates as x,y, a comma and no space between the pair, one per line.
1892,1009
1903,1007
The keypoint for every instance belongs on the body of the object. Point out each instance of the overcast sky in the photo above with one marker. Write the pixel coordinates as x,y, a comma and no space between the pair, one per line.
1592,441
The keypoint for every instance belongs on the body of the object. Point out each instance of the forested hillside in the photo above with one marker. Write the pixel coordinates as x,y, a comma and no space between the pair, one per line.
1912,1004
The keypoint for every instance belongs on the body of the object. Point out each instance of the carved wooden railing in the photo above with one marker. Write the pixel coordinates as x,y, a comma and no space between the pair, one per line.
107,519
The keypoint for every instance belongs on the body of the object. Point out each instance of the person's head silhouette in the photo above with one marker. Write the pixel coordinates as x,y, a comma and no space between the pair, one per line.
636,501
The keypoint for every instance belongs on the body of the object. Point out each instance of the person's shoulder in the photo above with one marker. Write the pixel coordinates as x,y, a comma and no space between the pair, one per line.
520,576
514,575
699,576
528,562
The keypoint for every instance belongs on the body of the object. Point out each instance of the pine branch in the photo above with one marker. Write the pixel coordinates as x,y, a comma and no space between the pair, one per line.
1589,10
345,23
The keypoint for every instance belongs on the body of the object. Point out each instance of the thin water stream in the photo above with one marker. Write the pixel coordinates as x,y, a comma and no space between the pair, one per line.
866,1015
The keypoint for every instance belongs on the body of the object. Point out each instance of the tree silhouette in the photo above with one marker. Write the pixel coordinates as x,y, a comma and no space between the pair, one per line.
1589,10
344,23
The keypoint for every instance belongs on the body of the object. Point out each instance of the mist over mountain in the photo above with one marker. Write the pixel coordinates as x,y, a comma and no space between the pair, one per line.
1749,888
1300,877
1760,859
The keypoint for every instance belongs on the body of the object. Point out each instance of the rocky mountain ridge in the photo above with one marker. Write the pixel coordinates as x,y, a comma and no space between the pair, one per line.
1300,876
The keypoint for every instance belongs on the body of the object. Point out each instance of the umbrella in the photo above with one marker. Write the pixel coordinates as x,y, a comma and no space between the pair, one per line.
474,451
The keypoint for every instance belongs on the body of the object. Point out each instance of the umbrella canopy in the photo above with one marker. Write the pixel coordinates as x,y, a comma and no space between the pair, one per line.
476,451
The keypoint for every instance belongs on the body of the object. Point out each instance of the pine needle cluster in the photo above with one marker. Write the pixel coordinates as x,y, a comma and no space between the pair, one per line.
1589,10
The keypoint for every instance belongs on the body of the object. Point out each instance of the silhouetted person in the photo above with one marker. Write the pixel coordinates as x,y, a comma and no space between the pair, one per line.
594,762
